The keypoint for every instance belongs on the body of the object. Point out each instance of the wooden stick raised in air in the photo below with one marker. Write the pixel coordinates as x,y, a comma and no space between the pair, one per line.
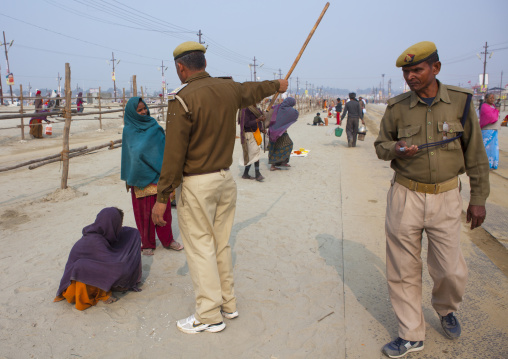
300,53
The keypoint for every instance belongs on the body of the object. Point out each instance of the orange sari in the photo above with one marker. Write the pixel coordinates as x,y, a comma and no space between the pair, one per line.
83,295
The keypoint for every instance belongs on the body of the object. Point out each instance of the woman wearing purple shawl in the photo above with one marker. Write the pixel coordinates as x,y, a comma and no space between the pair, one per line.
280,146
107,258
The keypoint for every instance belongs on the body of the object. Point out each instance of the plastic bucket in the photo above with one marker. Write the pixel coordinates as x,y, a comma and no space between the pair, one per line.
338,131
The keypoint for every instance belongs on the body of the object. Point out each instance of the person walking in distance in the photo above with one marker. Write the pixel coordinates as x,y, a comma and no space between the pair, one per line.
354,115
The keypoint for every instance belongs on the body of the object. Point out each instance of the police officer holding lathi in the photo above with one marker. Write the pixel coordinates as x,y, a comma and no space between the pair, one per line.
200,137
431,135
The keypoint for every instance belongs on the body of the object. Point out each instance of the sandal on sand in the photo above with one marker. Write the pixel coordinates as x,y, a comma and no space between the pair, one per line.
247,177
175,246
260,178
274,169
147,252
285,165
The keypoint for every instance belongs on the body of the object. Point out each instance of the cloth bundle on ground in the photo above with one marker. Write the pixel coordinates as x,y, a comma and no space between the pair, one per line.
107,256
141,159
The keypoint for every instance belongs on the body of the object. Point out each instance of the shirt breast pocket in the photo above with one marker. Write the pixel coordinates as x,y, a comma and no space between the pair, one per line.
409,135
454,129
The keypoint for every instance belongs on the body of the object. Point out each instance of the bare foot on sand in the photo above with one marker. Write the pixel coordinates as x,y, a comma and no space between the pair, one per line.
175,246
147,252
111,299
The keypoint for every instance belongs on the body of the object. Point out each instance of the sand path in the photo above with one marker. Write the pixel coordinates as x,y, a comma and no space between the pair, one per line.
309,264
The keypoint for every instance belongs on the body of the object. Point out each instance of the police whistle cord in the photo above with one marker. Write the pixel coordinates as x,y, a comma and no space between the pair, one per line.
462,122
300,53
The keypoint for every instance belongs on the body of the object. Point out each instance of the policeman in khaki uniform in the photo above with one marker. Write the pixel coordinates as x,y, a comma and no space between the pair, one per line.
422,135
200,137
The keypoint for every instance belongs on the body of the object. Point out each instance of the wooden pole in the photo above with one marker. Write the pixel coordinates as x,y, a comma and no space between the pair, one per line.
67,127
142,94
100,108
300,53
3,169
110,144
21,111
123,107
134,86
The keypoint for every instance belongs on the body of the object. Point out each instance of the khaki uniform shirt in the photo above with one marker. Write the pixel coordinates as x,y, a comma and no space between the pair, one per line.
202,140
408,118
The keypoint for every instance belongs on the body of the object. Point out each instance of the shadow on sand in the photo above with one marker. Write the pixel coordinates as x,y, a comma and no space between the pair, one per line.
364,273
237,228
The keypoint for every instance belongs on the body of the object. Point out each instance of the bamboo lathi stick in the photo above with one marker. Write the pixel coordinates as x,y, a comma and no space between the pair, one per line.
274,98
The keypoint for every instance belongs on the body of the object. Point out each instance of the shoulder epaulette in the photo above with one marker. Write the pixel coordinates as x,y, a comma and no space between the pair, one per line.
225,77
173,93
173,96
459,89
399,98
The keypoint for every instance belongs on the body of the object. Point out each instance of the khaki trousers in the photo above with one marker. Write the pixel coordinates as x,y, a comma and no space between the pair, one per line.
206,211
408,213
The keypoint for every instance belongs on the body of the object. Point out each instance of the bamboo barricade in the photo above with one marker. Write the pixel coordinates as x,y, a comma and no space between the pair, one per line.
22,164
62,113
67,127
112,145
300,53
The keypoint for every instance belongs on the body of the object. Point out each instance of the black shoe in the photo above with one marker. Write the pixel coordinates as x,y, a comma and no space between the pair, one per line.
451,326
400,347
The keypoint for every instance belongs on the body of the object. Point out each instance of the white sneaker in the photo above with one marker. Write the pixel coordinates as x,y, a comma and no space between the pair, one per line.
192,326
230,315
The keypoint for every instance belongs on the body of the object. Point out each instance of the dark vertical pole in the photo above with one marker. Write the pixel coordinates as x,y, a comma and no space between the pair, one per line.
21,111
1,91
67,127
114,74
484,65
8,68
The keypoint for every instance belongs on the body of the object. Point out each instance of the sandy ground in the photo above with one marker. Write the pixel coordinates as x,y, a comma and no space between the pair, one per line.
308,251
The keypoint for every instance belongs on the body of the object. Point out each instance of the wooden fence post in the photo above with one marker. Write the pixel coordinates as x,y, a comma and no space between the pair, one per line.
123,106
21,111
67,127
134,86
142,94
100,109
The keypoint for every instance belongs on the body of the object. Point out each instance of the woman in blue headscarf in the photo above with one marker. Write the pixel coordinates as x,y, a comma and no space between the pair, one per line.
143,143
280,146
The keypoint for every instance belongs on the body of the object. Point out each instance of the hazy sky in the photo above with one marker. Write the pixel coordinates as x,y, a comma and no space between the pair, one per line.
356,42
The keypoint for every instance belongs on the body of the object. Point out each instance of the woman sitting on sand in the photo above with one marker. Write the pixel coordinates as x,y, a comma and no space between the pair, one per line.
105,259
143,143
280,146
